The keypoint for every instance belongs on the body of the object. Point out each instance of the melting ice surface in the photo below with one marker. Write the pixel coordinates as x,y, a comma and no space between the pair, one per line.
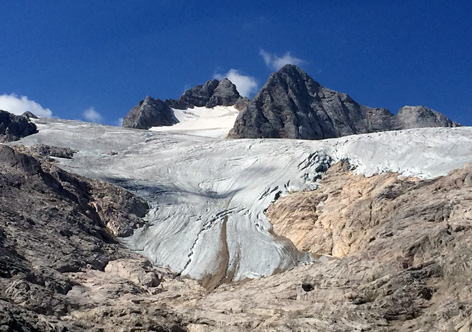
208,194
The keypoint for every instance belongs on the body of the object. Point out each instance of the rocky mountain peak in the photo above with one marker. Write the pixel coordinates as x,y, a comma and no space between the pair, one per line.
293,105
149,113
148,99
293,72
291,79
212,93
152,112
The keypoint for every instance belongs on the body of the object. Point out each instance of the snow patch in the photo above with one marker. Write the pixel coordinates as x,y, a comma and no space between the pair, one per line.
209,122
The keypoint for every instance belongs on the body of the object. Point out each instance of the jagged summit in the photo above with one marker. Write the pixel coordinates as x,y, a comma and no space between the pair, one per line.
212,93
293,105
148,113
157,113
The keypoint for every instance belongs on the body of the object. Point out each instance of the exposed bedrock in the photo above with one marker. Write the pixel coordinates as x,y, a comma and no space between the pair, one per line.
14,127
152,112
348,212
149,113
212,93
56,226
293,105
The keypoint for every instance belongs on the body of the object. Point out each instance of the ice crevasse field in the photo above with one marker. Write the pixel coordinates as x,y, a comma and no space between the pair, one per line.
208,194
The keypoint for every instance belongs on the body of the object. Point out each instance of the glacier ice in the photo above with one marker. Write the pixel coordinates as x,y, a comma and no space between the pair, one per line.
208,194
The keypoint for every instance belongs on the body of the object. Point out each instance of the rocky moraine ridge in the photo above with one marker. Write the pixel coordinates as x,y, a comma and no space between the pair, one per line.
290,105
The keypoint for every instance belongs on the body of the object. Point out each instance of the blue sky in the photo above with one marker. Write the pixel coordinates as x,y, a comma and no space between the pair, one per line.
97,59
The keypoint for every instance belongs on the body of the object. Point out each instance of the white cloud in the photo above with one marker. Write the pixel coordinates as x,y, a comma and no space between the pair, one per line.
19,105
246,85
119,122
92,115
273,61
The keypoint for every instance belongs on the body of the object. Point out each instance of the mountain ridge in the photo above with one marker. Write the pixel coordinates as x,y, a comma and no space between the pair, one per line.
152,112
291,104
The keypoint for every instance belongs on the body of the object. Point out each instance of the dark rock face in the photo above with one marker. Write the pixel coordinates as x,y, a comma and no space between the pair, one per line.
225,94
212,93
149,113
292,105
14,127
199,95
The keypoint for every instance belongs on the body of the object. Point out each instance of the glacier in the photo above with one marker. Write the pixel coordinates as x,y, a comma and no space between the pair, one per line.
208,194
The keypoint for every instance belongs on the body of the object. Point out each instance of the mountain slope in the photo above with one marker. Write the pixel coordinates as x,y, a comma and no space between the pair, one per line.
54,225
292,105
208,196
407,267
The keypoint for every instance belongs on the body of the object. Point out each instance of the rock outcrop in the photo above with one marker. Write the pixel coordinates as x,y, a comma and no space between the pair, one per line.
43,150
421,117
157,113
14,127
30,115
212,93
149,113
401,253
292,105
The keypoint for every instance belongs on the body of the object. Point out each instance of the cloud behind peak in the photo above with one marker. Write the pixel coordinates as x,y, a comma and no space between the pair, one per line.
275,62
19,105
246,85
